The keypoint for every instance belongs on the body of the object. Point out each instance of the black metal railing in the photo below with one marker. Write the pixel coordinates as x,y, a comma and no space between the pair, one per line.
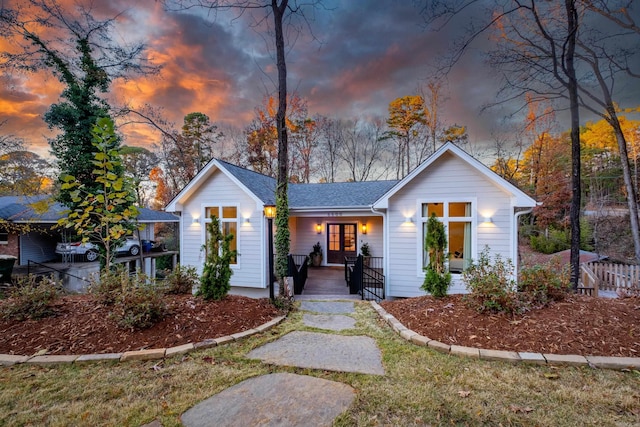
364,276
50,269
298,266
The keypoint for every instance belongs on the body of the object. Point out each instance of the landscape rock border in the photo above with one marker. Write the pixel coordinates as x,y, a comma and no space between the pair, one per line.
148,354
604,362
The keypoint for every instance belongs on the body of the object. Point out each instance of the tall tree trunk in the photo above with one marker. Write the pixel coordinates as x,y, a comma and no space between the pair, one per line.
572,86
632,198
282,205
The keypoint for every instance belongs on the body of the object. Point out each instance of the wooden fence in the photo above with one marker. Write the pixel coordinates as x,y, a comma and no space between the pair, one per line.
610,277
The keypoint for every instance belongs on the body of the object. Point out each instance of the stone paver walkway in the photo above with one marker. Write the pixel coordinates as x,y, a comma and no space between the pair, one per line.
273,400
296,400
335,322
323,351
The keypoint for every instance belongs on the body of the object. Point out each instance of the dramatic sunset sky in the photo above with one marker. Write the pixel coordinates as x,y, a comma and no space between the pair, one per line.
364,55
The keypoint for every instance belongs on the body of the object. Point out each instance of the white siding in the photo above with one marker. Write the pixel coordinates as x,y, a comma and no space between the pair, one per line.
219,190
448,179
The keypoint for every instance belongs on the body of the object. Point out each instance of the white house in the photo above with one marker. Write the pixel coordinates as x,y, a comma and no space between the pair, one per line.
478,208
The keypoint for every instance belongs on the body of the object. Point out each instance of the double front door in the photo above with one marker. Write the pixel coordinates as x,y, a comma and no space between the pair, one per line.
341,241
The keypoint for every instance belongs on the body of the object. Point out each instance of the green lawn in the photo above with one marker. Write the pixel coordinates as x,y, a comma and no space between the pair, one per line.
421,387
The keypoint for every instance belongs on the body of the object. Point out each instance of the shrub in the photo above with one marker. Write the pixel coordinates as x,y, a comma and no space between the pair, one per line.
31,298
490,284
436,279
555,240
551,242
541,284
181,280
109,285
216,275
435,283
140,306
137,303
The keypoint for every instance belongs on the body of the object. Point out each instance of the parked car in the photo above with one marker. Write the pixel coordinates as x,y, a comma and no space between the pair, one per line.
131,246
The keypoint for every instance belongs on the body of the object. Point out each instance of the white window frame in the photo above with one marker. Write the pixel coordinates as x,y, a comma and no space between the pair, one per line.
207,220
420,221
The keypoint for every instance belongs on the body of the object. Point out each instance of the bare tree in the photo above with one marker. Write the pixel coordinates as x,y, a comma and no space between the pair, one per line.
535,51
361,149
330,144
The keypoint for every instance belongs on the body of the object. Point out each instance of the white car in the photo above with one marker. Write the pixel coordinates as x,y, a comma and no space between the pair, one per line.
131,246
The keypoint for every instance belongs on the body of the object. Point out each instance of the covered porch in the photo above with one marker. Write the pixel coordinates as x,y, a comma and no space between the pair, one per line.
356,279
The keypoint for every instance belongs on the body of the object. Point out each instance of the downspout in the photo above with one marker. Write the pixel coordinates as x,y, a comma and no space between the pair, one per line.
385,248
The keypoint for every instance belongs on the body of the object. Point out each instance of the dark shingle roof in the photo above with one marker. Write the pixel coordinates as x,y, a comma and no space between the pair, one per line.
301,196
337,194
264,187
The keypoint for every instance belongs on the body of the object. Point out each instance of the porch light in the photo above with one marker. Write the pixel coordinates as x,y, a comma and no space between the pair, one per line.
487,220
247,220
408,220
196,220
269,211
318,228
364,228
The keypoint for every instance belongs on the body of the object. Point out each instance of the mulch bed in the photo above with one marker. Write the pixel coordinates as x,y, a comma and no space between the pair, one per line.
578,325
81,326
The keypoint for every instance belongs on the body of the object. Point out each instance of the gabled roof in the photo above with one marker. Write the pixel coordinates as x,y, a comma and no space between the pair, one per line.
24,209
338,195
301,196
260,187
521,198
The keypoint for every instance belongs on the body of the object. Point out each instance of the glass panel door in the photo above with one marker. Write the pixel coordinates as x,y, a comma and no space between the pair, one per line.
342,240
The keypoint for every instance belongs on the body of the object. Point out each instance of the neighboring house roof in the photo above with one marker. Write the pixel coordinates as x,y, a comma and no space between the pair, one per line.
338,195
521,198
24,209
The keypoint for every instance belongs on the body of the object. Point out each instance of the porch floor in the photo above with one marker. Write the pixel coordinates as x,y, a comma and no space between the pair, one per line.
326,283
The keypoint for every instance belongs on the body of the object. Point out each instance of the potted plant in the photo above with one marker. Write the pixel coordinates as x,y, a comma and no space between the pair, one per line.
316,255
365,252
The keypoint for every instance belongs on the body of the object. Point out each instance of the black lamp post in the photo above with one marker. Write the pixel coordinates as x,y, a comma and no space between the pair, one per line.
270,213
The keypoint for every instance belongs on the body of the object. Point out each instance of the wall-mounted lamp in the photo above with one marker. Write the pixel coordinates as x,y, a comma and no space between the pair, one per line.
269,211
247,220
487,220
408,220
364,228
196,220
318,228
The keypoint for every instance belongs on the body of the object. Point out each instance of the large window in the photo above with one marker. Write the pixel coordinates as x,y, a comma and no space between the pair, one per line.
457,219
228,217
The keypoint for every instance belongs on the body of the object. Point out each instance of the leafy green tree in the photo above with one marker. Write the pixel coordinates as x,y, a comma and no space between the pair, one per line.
79,51
436,279
105,212
216,276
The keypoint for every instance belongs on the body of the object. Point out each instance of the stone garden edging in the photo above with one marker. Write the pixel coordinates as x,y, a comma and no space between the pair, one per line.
604,362
149,354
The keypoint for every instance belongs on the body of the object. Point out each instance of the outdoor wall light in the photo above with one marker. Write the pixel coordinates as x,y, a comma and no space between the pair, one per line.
196,220
408,220
247,220
487,220
269,211
318,228
364,228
